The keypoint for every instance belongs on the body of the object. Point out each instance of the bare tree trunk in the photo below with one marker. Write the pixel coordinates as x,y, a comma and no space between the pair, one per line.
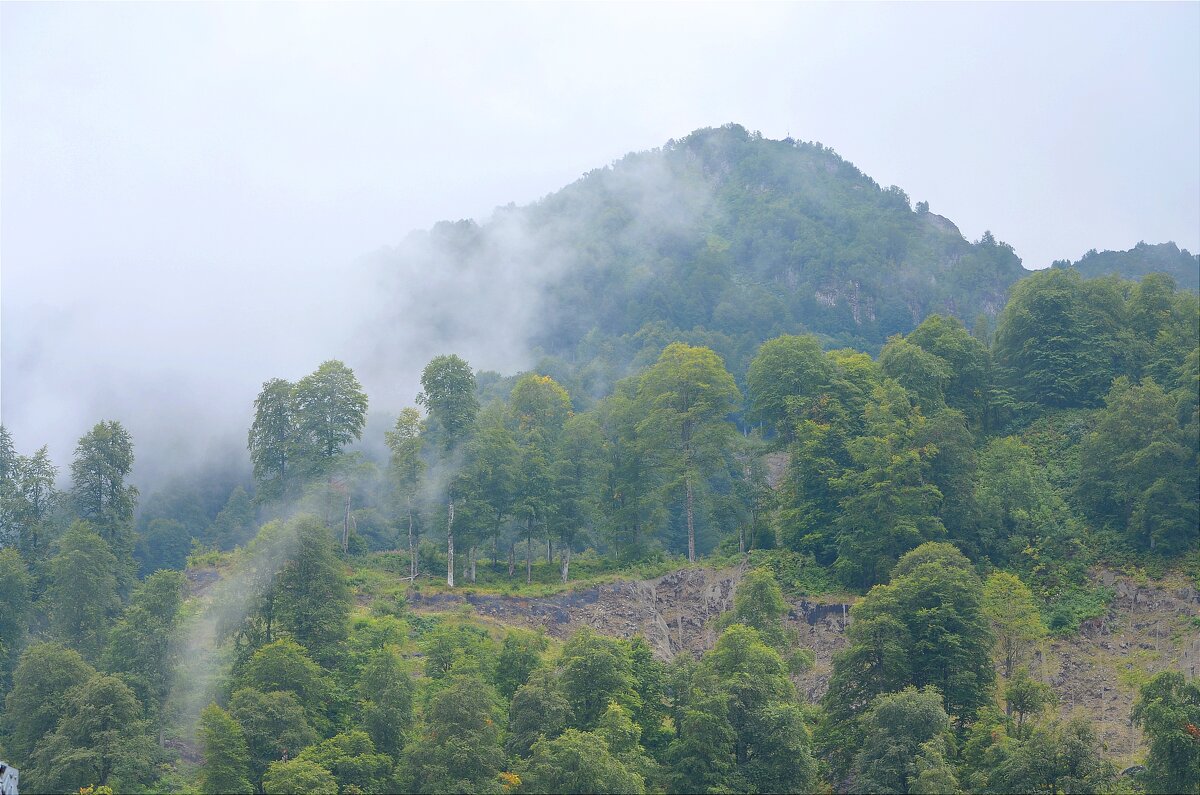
742,539
450,544
549,550
529,558
471,558
412,548
691,520
512,559
346,526
566,561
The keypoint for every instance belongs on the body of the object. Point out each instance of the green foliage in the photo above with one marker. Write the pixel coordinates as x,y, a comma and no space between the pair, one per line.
274,724
1063,756
537,710
313,600
1026,696
685,399
1057,337
283,666
352,760
1168,710
330,411
14,611
458,747
577,762
1008,605
273,439
226,766
783,370
82,593
520,654
298,775
449,395
387,690
103,459
1141,261
904,739
758,603
38,699
140,643
100,738
595,670
1139,472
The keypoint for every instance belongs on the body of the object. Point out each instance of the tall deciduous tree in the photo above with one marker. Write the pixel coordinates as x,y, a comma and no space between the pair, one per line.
407,471
687,397
226,765
46,673
331,409
273,438
313,602
449,395
1168,710
82,592
784,370
103,459
1016,623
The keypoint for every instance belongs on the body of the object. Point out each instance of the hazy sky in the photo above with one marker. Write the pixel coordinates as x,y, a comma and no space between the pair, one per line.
187,188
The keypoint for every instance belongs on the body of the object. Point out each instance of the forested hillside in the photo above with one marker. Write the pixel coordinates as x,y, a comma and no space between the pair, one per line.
754,357
1142,259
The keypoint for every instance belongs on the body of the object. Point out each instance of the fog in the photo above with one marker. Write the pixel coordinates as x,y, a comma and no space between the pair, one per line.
195,198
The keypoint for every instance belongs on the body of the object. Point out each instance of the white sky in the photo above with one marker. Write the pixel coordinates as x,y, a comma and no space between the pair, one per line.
185,188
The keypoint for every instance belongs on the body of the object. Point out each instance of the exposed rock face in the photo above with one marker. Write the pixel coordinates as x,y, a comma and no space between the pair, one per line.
1148,628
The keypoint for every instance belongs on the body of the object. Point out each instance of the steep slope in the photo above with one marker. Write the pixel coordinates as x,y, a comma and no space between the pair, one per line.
1144,258
723,238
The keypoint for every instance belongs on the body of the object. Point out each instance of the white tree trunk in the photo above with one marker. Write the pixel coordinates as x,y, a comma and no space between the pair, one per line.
471,558
566,562
412,549
450,545
691,520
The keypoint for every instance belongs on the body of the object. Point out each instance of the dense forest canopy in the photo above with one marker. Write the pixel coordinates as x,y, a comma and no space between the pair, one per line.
754,356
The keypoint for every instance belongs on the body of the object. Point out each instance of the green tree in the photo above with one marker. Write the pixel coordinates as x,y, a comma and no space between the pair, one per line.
925,375
298,775
576,475
897,729
577,762
969,387
103,459
537,710
353,761
82,592
140,643
686,398
1168,710
520,654
1015,620
330,411
1138,470
784,369
226,765
1026,696
273,439
1063,756
100,737
313,601
1057,338
407,472
387,709
458,748
449,395
14,611
758,603
889,504
283,666
274,724
44,676
595,670
702,757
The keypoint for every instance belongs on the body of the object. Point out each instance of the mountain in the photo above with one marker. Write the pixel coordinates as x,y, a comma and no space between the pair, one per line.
1144,258
723,238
